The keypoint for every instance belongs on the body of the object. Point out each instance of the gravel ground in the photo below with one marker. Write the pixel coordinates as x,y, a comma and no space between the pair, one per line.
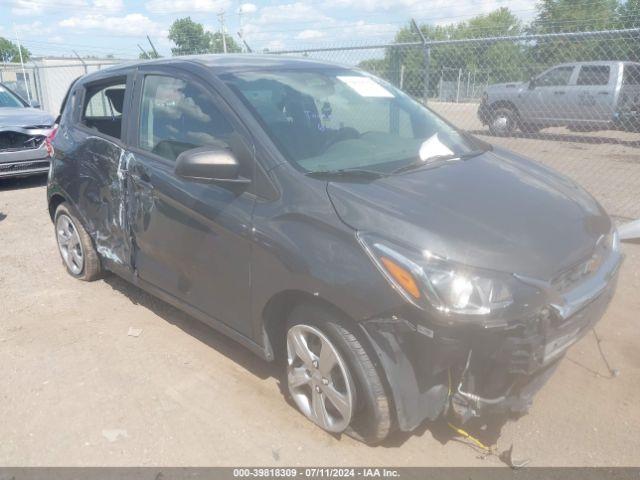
77,390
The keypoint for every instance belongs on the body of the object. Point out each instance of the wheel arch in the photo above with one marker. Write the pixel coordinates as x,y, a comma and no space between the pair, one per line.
54,202
504,104
278,309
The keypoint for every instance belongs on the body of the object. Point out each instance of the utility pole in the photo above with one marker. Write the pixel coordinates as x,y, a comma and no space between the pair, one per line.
224,39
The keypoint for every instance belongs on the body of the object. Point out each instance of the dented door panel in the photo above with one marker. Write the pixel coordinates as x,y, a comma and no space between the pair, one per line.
102,196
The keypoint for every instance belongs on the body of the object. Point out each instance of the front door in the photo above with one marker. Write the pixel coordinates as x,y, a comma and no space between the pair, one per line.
192,240
547,100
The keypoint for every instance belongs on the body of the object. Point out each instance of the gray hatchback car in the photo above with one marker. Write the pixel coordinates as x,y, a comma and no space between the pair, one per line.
400,269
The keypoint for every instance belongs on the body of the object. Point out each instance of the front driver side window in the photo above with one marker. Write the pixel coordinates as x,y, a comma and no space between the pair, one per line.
176,116
557,77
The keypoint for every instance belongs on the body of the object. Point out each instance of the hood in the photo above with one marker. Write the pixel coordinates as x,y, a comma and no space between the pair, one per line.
24,117
496,211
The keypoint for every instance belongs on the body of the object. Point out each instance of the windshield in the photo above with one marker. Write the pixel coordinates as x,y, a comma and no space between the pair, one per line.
8,99
340,119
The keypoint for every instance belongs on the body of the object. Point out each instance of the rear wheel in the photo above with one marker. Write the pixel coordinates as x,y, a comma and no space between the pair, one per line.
331,377
75,246
502,122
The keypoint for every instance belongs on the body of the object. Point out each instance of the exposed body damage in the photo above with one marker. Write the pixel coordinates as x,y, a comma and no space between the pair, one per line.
241,254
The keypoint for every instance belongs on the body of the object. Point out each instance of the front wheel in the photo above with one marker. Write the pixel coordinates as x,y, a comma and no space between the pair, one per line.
331,377
502,122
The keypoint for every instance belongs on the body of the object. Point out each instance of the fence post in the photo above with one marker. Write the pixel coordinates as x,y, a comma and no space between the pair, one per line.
426,54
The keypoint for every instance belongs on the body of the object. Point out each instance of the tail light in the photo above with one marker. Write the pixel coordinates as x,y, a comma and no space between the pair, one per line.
48,141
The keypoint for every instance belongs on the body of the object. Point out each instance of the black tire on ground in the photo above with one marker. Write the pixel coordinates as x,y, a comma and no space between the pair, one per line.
503,121
91,268
372,420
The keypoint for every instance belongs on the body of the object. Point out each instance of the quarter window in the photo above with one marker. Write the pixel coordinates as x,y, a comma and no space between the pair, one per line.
103,107
557,77
177,116
594,75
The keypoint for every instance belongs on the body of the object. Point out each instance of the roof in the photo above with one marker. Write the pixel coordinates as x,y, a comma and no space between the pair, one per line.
225,63
598,62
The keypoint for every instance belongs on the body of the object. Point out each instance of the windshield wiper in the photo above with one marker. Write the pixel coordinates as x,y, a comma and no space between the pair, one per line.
357,173
417,163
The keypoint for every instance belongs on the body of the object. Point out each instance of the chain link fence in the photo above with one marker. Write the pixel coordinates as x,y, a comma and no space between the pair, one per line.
44,83
571,101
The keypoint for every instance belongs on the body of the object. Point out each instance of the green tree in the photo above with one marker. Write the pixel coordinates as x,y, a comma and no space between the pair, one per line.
563,16
482,61
218,47
9,51
191,38
628,14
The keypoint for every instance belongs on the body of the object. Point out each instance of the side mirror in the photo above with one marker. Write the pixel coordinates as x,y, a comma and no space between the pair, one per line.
209,164
532,83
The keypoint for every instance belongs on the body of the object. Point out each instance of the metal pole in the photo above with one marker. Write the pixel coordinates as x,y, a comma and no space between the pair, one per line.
153,47
426,53
24,73
458,88
146,55
224,40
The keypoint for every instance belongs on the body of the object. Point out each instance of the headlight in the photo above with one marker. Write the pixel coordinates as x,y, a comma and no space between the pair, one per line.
427,280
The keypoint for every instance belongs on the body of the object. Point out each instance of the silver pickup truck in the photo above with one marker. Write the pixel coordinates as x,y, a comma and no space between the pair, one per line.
581,95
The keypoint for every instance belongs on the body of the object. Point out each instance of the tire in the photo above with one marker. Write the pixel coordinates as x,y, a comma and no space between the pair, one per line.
370,420
75,246
502,122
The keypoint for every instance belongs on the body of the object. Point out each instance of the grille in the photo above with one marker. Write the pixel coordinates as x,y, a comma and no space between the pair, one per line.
22,166
16,141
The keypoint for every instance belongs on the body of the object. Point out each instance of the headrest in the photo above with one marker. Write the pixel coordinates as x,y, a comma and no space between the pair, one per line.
116,97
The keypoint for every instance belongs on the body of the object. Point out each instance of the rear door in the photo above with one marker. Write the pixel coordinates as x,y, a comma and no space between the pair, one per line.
193,240
99,189
547,101
592,97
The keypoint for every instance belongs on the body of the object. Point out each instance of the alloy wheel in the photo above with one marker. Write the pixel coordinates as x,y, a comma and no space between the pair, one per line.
318,379
69,244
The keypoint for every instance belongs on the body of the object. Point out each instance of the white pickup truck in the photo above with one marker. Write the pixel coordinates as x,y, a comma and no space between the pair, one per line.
581,95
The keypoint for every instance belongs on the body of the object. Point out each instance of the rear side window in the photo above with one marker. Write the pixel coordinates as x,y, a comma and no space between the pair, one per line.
594,75
631,75
103,108
556,77
176,116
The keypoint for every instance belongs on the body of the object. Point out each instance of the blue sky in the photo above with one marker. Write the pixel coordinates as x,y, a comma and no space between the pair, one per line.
101,27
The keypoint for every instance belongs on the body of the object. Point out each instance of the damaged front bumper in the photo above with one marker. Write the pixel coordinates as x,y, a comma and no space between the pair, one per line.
24,151
470,372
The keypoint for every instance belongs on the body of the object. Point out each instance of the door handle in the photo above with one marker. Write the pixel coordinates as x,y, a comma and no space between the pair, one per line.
559,92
